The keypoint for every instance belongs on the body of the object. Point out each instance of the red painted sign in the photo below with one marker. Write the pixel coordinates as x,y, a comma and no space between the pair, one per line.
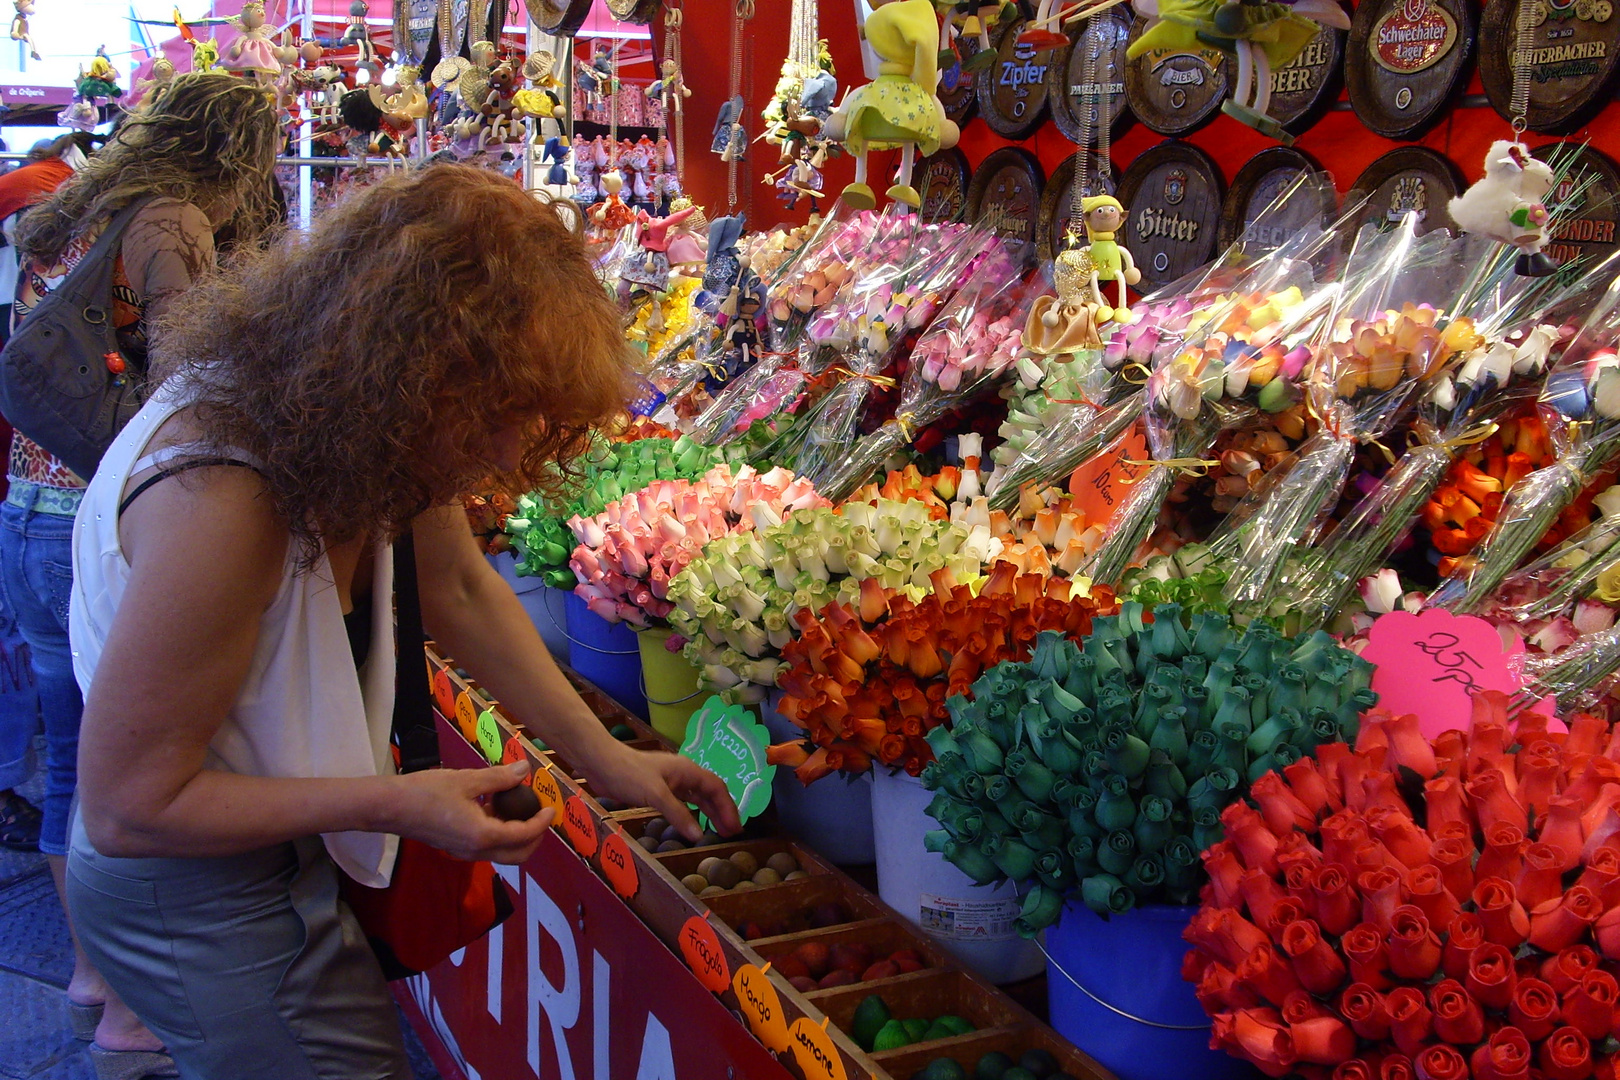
619,866
701,947
572,987
579,826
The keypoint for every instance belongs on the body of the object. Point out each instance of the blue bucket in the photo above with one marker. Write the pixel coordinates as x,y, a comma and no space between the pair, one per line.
1115,991
608,654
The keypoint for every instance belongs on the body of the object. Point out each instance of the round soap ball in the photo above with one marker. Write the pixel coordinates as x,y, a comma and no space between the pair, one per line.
671,845
712,890
695,883
797,875
782,863
648,843
766,876
746,861
722,873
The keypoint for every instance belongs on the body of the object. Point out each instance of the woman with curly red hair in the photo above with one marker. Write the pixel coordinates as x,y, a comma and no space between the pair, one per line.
324,397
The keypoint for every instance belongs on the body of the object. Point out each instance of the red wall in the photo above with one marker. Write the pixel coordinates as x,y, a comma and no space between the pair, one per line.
1338,141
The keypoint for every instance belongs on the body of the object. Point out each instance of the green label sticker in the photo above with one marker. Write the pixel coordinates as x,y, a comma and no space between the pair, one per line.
729,742
489,736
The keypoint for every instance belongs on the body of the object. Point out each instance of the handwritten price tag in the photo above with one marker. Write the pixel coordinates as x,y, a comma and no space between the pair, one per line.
1433,664
619,866
761,1006
729,742
813,1049
444,693
701,947
466,715
1101,484
513,750
579,826
489,736
546,789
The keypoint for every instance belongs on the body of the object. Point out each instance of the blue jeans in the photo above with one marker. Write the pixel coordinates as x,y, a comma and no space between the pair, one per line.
19,703
36,582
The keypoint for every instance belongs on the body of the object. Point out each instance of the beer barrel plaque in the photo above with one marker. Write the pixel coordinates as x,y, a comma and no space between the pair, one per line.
1307,86
1172,196
1407,61
1572,55
1057,201
1005,195
1409,179
1099,41
959,89
1175,91
634,11
1013,90
1585,203
1257,185
560,18
942,179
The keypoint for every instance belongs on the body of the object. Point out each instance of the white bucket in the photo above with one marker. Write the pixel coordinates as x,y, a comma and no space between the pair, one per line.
543,603
974,922
833,815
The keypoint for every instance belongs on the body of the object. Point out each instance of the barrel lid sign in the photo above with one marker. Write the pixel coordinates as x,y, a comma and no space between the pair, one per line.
1013,90
943,180
959,88
1175,91
1585,203
1571,57
1406,61
1256,187
1305,88
1173,196
1099,46
1005,196
1409,180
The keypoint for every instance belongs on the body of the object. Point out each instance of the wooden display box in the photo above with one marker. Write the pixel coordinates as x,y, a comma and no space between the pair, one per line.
781,916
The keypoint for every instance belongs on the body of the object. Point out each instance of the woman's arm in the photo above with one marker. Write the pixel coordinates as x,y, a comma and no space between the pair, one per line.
475,615
206,555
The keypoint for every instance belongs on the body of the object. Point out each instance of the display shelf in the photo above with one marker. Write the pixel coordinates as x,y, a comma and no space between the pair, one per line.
764,924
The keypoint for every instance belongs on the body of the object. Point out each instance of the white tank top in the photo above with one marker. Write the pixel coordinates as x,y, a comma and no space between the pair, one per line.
303,711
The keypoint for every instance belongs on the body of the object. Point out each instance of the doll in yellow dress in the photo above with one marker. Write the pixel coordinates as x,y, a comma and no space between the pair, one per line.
900,107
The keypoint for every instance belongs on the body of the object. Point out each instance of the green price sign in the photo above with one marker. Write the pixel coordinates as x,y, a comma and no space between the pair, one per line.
489,736
729,742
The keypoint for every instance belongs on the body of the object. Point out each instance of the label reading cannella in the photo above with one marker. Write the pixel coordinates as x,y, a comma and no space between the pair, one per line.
968,920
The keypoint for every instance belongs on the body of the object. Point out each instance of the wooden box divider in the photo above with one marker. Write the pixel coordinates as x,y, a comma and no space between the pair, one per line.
665,905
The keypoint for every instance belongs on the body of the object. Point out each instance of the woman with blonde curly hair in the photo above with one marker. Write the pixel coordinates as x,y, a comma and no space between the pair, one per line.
197,157
325,398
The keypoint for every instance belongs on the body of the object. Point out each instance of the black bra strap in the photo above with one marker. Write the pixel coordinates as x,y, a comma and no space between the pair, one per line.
170,470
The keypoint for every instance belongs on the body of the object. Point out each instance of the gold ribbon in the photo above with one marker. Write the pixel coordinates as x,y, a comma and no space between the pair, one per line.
904,421
1472,437
1124,373
1187,466
840,369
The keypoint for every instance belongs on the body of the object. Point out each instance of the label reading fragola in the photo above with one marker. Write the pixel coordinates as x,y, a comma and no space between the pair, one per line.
579,826
1434,663
619,866
1413,36
546,789
814,1051
467,717
761,1006
701,947
968,920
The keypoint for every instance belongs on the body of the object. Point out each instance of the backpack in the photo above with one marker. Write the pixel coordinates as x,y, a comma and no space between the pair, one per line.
63,381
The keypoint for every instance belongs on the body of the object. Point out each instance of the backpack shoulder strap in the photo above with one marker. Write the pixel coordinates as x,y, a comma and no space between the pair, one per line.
94,271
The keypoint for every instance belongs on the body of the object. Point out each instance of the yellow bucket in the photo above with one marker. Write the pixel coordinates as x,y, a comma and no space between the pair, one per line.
671,684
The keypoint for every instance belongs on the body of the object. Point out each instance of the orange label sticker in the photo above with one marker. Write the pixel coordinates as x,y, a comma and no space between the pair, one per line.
444,693
1101,484
466,715
579,826
619,866
761,1007
701,947
489,736
813,1049
546,788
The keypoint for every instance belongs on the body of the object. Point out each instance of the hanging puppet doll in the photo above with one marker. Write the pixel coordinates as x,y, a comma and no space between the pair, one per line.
358,34
251,52
899,108
1104,259
99,84
972,18
1506,205
541,99
1261,37
19,26
730,138
649,269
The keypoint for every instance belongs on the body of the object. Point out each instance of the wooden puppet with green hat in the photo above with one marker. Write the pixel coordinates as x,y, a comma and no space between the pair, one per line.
899,108
1104,259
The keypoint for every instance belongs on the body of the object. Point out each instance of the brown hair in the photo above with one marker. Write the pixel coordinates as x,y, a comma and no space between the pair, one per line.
368,364
207,139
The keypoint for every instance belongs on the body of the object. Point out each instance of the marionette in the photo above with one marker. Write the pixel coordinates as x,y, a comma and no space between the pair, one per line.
19,26
1506,205
670,88
252,52
587,187
1045,30
724,262
685,249
555,151
611,214
899,108
540,99
99,83
80,115
1060,326
974,18
1261,37
650,268
730,138
358,34
1104,259
162,75
500,122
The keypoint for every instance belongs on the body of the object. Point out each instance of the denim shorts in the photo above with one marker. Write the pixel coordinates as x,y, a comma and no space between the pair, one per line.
36,578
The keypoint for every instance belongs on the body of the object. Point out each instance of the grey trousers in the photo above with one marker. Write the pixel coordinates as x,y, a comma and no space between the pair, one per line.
247,966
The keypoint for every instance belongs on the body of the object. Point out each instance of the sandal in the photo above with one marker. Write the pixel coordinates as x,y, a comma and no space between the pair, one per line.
131,1064
19,823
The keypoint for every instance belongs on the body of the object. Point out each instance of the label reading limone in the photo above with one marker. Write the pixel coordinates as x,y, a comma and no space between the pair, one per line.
813,1049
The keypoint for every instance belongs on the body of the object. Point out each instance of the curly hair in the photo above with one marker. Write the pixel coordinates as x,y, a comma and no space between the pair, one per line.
207,139
370,364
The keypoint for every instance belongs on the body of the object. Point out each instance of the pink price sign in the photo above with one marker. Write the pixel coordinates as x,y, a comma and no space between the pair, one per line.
1432,664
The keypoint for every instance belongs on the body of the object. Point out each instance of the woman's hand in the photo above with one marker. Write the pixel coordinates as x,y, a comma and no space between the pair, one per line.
442,809
667,783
